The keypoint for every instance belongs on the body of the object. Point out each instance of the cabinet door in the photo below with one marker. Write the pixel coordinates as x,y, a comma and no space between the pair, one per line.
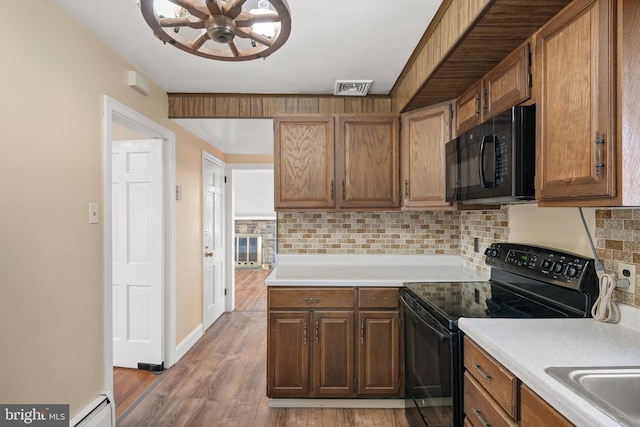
425,133
575,58
469,109
535,412
508,83
368,161
304,162
333,353
289,339
379,353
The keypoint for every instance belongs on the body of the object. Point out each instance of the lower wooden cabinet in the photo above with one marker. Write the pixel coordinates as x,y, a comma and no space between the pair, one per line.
315,348
494,396
535,412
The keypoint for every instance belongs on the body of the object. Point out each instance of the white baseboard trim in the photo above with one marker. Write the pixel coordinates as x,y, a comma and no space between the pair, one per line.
188,342
338,403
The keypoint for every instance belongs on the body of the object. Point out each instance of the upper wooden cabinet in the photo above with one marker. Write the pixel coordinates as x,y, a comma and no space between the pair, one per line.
589,105
506,85
321,165
424,135
304,162
469,108
576,124
367,164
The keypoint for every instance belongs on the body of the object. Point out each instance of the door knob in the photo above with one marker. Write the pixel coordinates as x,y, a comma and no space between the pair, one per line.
208,254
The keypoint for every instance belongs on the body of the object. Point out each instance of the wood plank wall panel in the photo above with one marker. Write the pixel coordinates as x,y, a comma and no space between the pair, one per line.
209,105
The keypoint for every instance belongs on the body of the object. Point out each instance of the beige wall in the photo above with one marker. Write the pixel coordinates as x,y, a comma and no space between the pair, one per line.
54,76
559,228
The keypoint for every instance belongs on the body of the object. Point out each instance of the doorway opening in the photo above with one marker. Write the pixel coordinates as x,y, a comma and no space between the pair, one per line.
123,123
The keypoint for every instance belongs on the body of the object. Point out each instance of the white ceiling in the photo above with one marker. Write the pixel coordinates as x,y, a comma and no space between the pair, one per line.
330,40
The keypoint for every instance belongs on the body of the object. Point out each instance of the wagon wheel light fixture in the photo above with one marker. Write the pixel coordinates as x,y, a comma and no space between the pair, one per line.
231,30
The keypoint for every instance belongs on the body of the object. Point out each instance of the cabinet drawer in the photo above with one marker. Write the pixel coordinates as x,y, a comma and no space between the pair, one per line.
480,409
378,298
310,298
501,384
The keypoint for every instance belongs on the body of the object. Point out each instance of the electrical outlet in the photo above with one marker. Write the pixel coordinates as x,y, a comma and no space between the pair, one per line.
628,271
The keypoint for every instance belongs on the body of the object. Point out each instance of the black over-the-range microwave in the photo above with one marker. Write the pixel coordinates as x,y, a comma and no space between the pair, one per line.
494,163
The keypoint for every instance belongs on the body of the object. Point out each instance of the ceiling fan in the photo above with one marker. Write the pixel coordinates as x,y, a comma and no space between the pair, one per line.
227,30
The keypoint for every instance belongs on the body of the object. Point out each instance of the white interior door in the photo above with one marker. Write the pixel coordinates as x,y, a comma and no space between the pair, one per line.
213,241
137,218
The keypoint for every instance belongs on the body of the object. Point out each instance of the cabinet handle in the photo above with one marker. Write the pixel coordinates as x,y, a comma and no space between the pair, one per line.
308,299
317,332
483,373
485,106
479,416
599,142
305,334
362,332
477,104
406,188
344,191
333,190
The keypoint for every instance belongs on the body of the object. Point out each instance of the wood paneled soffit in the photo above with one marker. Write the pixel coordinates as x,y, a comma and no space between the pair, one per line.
218,105
470,38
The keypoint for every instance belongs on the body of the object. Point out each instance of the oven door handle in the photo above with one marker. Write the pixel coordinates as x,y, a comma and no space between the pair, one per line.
443,337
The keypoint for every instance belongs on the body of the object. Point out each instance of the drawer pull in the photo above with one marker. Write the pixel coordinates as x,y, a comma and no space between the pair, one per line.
317,332
312,299
479,416
483,373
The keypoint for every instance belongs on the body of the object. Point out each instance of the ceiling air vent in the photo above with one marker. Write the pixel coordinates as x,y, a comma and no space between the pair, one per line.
352,87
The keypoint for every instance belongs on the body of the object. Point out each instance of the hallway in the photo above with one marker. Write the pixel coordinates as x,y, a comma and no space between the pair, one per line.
221,381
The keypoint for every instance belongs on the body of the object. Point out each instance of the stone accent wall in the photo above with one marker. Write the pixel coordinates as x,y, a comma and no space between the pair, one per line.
406,233
618,240
266,228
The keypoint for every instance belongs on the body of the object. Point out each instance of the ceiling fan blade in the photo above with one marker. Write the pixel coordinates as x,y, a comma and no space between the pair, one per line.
233,8
199,41
246,19
214,7
246,33
234,49
181,22
192,8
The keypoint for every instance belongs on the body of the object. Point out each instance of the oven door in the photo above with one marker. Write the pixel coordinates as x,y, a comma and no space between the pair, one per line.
429,364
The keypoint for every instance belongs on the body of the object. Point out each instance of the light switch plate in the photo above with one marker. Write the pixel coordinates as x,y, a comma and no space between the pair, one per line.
93,213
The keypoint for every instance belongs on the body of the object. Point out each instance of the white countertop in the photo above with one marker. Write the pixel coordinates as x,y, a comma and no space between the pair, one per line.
527,346
369,270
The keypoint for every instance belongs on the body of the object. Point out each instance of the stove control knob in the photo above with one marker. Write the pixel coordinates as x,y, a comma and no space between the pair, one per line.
546,264
492,252
558,267
572,271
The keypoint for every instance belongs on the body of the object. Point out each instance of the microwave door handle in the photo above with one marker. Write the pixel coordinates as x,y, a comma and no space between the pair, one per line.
483,179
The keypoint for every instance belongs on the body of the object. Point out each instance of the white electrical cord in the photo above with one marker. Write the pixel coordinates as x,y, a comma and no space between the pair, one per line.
605,309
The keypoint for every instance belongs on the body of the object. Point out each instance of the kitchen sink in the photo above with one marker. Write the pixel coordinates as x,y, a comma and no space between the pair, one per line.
614,390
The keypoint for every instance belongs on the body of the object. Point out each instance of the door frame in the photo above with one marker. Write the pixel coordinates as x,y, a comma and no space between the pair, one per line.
228,298
114,110
231,223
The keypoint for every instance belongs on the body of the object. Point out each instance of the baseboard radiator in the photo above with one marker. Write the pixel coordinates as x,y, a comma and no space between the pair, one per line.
100,413
248,250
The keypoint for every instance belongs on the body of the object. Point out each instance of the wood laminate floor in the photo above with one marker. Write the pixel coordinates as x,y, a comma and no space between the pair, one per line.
221,381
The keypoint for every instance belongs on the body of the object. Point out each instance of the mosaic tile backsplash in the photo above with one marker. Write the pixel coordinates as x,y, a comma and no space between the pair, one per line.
618,240
404,233
450,233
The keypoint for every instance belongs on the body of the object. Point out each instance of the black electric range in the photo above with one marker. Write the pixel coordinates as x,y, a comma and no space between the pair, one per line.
526,282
